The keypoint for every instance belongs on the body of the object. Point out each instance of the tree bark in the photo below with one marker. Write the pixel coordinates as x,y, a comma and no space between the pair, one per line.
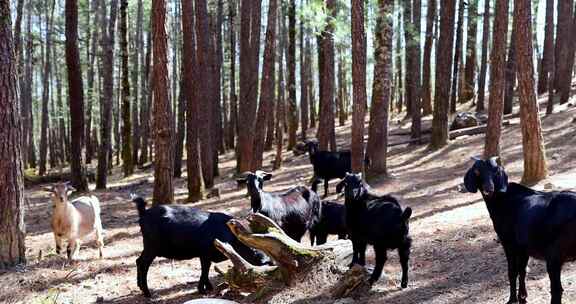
45,123
484,60
326,77
548,53
443,75
304,83
457,55
146,102
232,4
535,168
510,75
564,39
415,71
266,87
12,227
249,63
280,108
75,97
137,81
291,57
470,68
162,111
359,84
496,86
106,99
427,64
127,152
377,147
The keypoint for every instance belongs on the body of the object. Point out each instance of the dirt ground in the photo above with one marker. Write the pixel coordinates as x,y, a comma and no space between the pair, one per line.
456,257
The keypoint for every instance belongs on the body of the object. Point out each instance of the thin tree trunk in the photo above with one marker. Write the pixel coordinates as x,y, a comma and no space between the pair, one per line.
535,168
484,60
415,71
510,76
326,77
427,64
127,153
563,75
304,108
548,53
266,87
220,71
457,55
359,84
470,68
162,111
291,57
496,86
443,75
45,123
75,98
12,227
137,80
193,104
309,75
341,99
106,99
146,102
400,89
280,92
232,4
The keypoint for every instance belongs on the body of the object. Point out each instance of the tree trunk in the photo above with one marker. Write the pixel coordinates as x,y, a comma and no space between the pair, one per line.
359,84
291,57
484,60
548,53
206,93
232,4
379,111
443,75
510,76
280,108
29,153
457,55
470,68
12,229
427,64
45,123
496,86
399,68
249,63
136,80
326,77
309,76
535,168
193,104
408,59
162,111
146,102
563,77
127,153
304,108
220,71
106,99
266,87
75,97
416,108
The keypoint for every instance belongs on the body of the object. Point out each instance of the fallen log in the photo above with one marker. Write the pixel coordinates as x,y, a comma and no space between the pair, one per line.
34,180
301,272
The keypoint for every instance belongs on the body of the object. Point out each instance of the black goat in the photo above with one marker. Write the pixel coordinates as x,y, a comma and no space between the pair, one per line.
377,220
529,223
295,210
332,221
182,233
327,164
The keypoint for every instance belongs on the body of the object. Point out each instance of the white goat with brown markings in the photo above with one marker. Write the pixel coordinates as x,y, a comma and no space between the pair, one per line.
74,220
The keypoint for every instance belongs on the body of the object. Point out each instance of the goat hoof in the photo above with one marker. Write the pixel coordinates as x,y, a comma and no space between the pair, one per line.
404,285
147,294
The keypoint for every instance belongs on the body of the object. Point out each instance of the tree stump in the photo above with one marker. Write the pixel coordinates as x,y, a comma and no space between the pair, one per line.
318,274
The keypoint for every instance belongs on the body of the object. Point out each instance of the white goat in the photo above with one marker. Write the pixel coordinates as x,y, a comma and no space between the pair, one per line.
74,220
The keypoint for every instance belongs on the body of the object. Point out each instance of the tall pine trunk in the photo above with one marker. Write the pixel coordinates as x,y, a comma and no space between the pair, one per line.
535,168
127,153
484,59
75,98
548,53
564,40
496,86
304,108
359,84
443,74
291,57
162,110
280,107
427,62
457,55
510,75
12,227
232,132
470,68
327,82
45,123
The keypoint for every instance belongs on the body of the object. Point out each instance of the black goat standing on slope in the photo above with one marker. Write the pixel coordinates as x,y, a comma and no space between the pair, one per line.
377,220
529,223
182,233
327,164
295,210
332,220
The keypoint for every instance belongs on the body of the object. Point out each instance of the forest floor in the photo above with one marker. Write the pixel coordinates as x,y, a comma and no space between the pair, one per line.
456,257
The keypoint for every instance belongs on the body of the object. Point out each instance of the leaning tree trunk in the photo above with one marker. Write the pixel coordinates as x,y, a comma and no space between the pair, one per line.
12,230
296,267
75,98
535,168
497,63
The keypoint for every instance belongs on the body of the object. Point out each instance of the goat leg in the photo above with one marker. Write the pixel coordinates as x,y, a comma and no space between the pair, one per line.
404,253
58,241
522,263
204,285
512,274
554,268
381,257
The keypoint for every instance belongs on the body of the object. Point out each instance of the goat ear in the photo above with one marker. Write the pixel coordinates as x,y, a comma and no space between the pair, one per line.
339,186
240,181
267,176
501,181
48,189
470,181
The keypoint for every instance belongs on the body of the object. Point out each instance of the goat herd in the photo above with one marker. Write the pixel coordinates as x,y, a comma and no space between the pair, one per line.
529,223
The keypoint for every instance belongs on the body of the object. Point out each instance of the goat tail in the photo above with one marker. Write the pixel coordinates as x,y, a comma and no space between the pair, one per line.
140,204
407,214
